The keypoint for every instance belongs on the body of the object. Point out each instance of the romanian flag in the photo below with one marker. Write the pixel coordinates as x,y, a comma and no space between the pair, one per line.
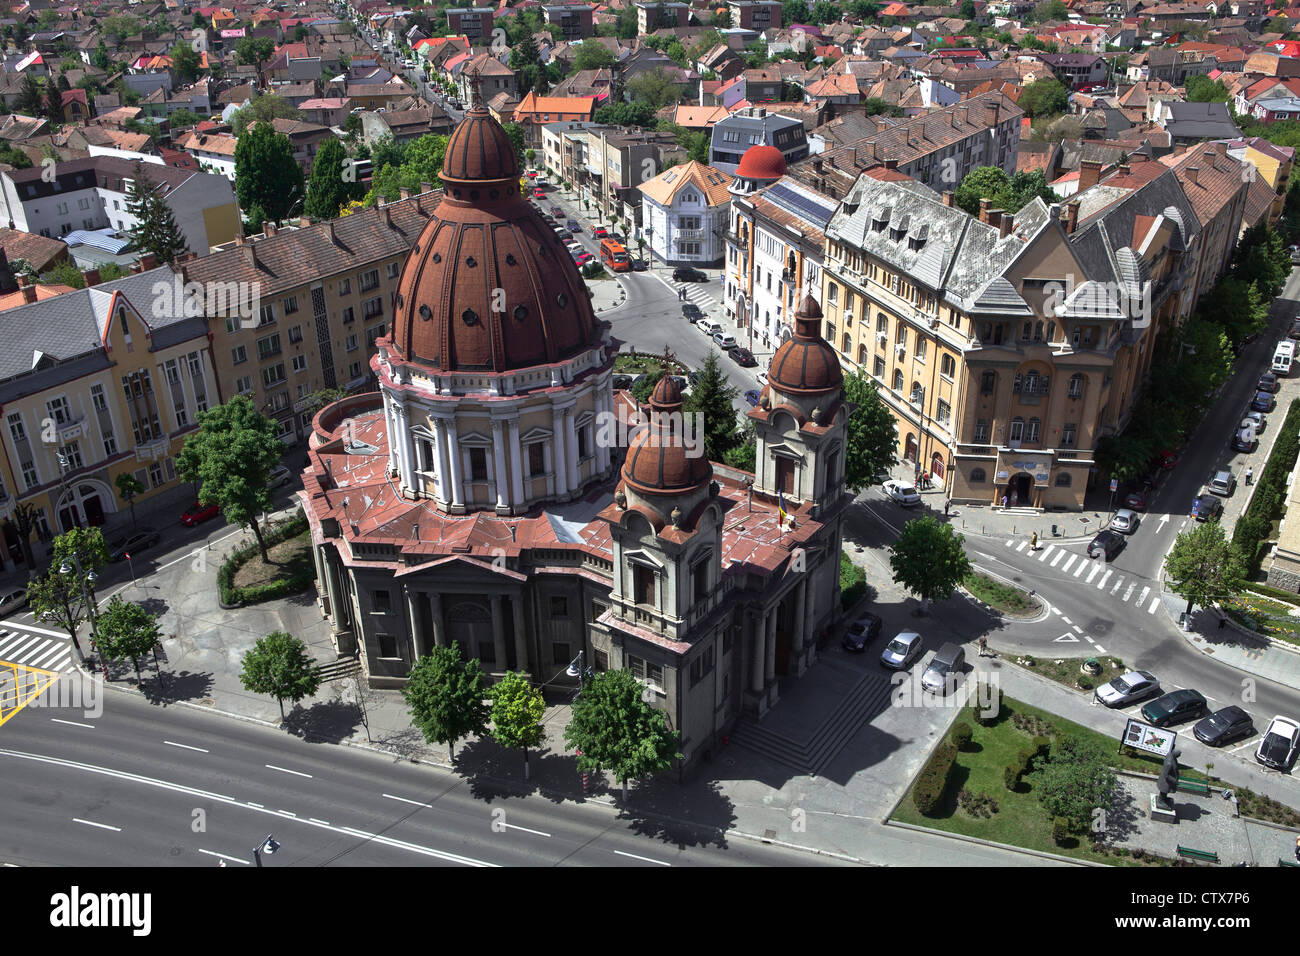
780,509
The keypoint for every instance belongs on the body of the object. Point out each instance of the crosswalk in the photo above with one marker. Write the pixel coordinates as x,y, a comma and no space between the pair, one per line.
1087,570
36,650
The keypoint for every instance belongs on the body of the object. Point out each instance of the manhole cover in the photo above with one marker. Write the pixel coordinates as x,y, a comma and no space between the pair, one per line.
207,702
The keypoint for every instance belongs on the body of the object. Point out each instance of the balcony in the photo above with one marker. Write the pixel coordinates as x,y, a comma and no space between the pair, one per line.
152,450
690,233
70,429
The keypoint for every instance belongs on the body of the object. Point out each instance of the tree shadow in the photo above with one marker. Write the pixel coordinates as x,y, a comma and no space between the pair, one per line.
155,606
176,687
692,814
329,721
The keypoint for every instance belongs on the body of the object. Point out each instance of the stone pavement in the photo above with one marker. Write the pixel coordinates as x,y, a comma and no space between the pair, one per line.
1233,645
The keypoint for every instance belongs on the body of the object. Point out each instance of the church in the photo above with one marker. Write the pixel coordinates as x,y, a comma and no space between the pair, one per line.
477,498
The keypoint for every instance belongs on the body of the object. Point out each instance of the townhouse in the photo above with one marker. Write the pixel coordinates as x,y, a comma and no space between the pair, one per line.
685,214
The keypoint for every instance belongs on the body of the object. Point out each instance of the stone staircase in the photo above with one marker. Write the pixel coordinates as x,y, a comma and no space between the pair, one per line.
339,669
869,697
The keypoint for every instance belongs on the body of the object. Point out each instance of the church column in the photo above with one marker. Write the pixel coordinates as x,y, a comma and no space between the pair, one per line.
521,638
442,476
759,639
499,462
516,467
435,619
559,462
419,646
769,654
571,445
604,424
499,635
408,449
453,451
394,459
800,625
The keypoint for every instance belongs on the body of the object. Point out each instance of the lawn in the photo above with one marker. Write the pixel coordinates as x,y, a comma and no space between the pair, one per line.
288,558
1006,598
1264,615
633,363
1065,670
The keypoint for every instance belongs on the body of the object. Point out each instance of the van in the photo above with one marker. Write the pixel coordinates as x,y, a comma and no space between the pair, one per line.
1283,357
709,327
944,668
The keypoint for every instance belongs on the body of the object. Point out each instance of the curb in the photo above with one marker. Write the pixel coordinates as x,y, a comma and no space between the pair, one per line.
1042,855
1187,636
1046,608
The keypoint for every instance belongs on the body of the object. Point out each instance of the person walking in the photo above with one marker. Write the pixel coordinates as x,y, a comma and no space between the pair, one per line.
1033,541
1250,474
946,505
983,644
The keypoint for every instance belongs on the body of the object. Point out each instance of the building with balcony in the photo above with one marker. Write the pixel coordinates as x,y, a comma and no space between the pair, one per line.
573,19
760,15
535,112
684,214
755,126
474,23
655,16
482,498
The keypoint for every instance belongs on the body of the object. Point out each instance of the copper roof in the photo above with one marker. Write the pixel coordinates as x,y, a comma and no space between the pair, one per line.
806,364
659,460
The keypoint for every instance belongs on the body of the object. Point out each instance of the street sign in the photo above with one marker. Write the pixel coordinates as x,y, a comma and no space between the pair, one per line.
1151,739
1114,485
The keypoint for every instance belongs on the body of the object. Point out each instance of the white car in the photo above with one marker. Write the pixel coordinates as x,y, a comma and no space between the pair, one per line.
1125,521
724,340
1128,689
1278,747
902,650
279,475
709,327
904,492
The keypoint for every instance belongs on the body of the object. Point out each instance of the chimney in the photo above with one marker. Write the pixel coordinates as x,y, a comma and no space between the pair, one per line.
29,293
136,269
817,164
426,186
91,276
24,281
891,164
1071,216
1089,173
947,197
148,261
268,229
240,240
333,235
995,218
388,215
404,192
250,253
304,221
985,206
1192,173
1008,223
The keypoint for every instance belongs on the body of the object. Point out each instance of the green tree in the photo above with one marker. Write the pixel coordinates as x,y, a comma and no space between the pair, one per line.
30,101
23,520
125,630
263,108
231,456
182,118
517,139
614,727
1075,780
100,58
155,229
53,102
252,51
128,486
592,56
712,397
655,88
85,545
57,598
422,163
984,182
928,559
1204,566
1044,97
1237,306
517,710
1202,89
117,28
185,61
266,174
332,183
15,157
445,696
280,666
626,114
871,441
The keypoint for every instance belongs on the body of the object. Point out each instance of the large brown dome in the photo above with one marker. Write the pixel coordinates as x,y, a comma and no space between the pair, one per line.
806,364
488,286
658,461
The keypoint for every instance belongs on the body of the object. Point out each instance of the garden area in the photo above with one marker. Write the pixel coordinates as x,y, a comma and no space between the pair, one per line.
246,578
1006,598
1069,670
635,363
853,583
1264,615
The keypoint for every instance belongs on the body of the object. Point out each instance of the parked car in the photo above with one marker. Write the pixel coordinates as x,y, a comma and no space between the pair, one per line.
1223,483
751,396
600,232
197,514
1106,545
944,668
903,492
621,381
709,327
132,544
638,265
862,632
743,357
1294,333
279,475
1205,507
1281,740
1125,521
557,212
1243,439
539,193
1128,688
12,600
902,650
1136,500
1263,402
574,226
584,258
1223,726
1174,708
687,274
724,340
1253,420
692,313
1294,252
1268,383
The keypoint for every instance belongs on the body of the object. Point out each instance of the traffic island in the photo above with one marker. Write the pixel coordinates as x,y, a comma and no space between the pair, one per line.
1076,673
1006,599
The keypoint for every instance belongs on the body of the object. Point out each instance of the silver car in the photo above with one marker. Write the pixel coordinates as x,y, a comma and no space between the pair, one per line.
1128,688
1223,482
1125,521
11,601
902,650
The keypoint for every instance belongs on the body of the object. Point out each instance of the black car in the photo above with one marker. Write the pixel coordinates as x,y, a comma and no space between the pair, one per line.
1295,329
687,274
1174,708
621,381
1268,383
1205,507
133,543
862,632
638,265
743,356
1224,726
692,313
1107,544
1263,402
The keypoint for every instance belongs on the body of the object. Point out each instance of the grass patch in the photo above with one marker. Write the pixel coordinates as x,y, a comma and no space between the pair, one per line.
1264,615
634,363
288,558
245,578
1006,598
1065,670
853,582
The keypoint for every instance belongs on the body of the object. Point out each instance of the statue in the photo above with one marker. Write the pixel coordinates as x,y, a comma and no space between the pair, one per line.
1167,781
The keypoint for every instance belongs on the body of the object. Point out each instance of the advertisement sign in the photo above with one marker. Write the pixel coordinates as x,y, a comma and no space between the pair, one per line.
1151,739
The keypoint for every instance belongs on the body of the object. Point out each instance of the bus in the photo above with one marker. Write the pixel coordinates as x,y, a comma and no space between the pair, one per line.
614,255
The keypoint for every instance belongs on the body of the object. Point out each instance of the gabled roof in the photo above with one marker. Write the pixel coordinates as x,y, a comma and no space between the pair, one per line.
711,182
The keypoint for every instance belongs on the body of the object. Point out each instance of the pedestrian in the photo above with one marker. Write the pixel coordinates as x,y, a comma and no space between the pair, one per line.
1250,474
1033,541
1004,501
946,505
1297,849
983,643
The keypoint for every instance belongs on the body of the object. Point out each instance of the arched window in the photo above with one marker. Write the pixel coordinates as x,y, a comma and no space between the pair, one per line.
882,323
977,476
901,338
898,381
918,393
1032,432
862,355
1051,331
1038,332
1063,480
946,365
1024,333
1031,383
988,382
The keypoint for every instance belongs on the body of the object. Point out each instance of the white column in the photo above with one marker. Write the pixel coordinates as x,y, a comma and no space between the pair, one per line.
439,466
390,419
408,451
571,445
604,411
418,643
453,452
499,463
560,465
435,619
516,466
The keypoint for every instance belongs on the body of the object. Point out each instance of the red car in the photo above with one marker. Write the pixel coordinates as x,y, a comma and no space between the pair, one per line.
600,232
197,513
532,174
583,259
539,193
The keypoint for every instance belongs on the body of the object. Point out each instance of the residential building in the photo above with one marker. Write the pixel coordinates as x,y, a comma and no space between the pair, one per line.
474,23
1271,163
755,126
757,15
215,152
534,112
655,16
573,19
484,76
684,214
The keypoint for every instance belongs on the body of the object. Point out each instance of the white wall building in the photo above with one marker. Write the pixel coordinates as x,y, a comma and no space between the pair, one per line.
684,214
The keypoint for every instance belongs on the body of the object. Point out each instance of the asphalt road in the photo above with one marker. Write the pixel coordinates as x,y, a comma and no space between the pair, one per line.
139,787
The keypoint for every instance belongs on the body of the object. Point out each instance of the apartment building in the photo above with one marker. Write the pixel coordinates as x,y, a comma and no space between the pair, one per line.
535,112
757,15
564,147
96,383
755,126
653,16
1271,163
475,23
684,214
616,162
573,19
313,328
215,152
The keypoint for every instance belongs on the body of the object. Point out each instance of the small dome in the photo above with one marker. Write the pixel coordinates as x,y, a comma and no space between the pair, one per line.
659,462
806,364
666,394
479,150
761,162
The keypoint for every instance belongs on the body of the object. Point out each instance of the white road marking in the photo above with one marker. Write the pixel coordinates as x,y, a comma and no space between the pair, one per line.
72,723
511,826
321,822
1056,560
1046,551
404,800
91,823
1066,619
1250,742
1101,585
645,858
1080,569
1023,545
186,746
1078,629
1131,588
1057,612
1010,542
10,640
1093,573
257,805
1155,603
296,773
1118,584
1066,566
1143,596
1066,639
232,859
1100,649
1089,639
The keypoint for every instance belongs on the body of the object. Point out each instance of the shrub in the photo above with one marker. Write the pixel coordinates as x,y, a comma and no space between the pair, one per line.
1084,682
961,735
1011,776
1252,530
1060,830
273,589
933,778
988,717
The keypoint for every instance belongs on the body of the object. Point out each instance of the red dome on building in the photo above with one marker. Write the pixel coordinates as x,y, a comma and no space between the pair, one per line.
806,364
761,162
658,461
487,286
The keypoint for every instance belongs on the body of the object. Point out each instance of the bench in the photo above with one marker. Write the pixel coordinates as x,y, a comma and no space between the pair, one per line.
1193,786
1282,862
1204,856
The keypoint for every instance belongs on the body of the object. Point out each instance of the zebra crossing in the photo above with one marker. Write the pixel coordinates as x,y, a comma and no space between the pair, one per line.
36,650
1087,570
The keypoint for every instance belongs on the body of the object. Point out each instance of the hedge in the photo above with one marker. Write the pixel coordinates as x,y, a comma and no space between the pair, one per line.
1013,773
1060,830
961,735
1252,531
933,778
987,717
233,596
1290,597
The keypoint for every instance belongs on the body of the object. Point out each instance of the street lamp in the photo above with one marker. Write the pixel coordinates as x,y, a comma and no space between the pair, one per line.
86,581
267,846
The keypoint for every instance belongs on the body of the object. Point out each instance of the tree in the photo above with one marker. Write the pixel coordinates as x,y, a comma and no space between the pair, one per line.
30,101
185,61
1204,566
332,184
15,157
231,457
613,726
1044,97
422,163
83,544
155,229
446,697
266,174
712,397
871,441
928,559
1075,780
1008,193
24,523
280,666
592,56
252,51
182,118
100,58
517,139
58,598
1202,89
118,28
655,88
626,114
128,486
127,630
53,102
517,709
263,108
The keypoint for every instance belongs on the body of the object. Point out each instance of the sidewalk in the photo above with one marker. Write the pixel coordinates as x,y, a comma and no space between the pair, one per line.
1234,646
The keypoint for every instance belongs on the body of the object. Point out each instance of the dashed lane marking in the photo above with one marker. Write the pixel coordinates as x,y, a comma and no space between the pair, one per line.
1155,603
